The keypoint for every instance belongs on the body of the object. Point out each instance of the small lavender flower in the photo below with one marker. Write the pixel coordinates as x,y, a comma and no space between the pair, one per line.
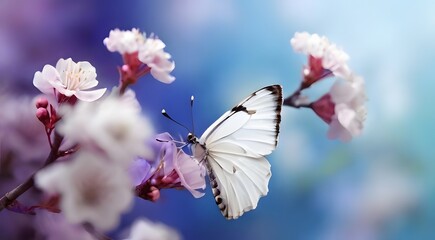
171,168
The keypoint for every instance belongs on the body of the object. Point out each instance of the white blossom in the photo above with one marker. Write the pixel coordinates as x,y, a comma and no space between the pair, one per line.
148,50
144,229
113,127
124,41
333,58
152,54
69,78
129,98
350,112
91,190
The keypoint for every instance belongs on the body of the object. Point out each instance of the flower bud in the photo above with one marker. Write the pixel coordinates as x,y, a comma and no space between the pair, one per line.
41,102
42,115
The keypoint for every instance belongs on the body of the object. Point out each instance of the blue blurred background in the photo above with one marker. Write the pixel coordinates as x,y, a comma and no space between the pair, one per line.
379,186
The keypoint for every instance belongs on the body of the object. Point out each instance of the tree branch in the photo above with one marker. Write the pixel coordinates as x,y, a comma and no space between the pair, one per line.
12,195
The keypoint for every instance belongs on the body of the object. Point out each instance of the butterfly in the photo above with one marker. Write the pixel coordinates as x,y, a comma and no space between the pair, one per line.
234,147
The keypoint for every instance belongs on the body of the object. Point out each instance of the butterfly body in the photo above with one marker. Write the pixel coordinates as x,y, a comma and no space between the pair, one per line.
234,147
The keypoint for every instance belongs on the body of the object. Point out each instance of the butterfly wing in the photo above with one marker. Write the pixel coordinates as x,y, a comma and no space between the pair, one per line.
235,148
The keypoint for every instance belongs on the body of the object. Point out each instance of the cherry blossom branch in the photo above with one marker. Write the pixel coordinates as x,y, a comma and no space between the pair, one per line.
48,132
12,195
294,100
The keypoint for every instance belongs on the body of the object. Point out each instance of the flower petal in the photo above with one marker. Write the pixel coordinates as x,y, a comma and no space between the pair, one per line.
139,171
90,96
191,174
336,130
163,77
44,80
345,115
42,84
88,84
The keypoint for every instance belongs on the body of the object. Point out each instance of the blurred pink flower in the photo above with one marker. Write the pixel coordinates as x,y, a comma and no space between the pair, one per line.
69,78
112,127
91,190
343,108
144,229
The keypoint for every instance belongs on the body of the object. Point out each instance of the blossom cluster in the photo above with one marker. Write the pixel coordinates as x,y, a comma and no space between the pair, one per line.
141,55
343,106
97,139
103,151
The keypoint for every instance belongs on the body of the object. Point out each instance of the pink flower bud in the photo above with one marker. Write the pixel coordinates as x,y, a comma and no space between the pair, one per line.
42,115
41,102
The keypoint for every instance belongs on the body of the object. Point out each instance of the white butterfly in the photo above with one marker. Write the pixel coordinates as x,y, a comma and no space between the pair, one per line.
233,149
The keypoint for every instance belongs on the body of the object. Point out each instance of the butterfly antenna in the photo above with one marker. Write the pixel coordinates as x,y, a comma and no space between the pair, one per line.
164,113
192,98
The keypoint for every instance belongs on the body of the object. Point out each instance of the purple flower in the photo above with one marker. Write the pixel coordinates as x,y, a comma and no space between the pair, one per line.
171,168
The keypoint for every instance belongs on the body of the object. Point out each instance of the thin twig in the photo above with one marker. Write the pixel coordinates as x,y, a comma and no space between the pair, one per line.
292,100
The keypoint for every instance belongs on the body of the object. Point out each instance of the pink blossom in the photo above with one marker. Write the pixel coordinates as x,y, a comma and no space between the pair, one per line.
324,58
343,108
141,55
153,55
